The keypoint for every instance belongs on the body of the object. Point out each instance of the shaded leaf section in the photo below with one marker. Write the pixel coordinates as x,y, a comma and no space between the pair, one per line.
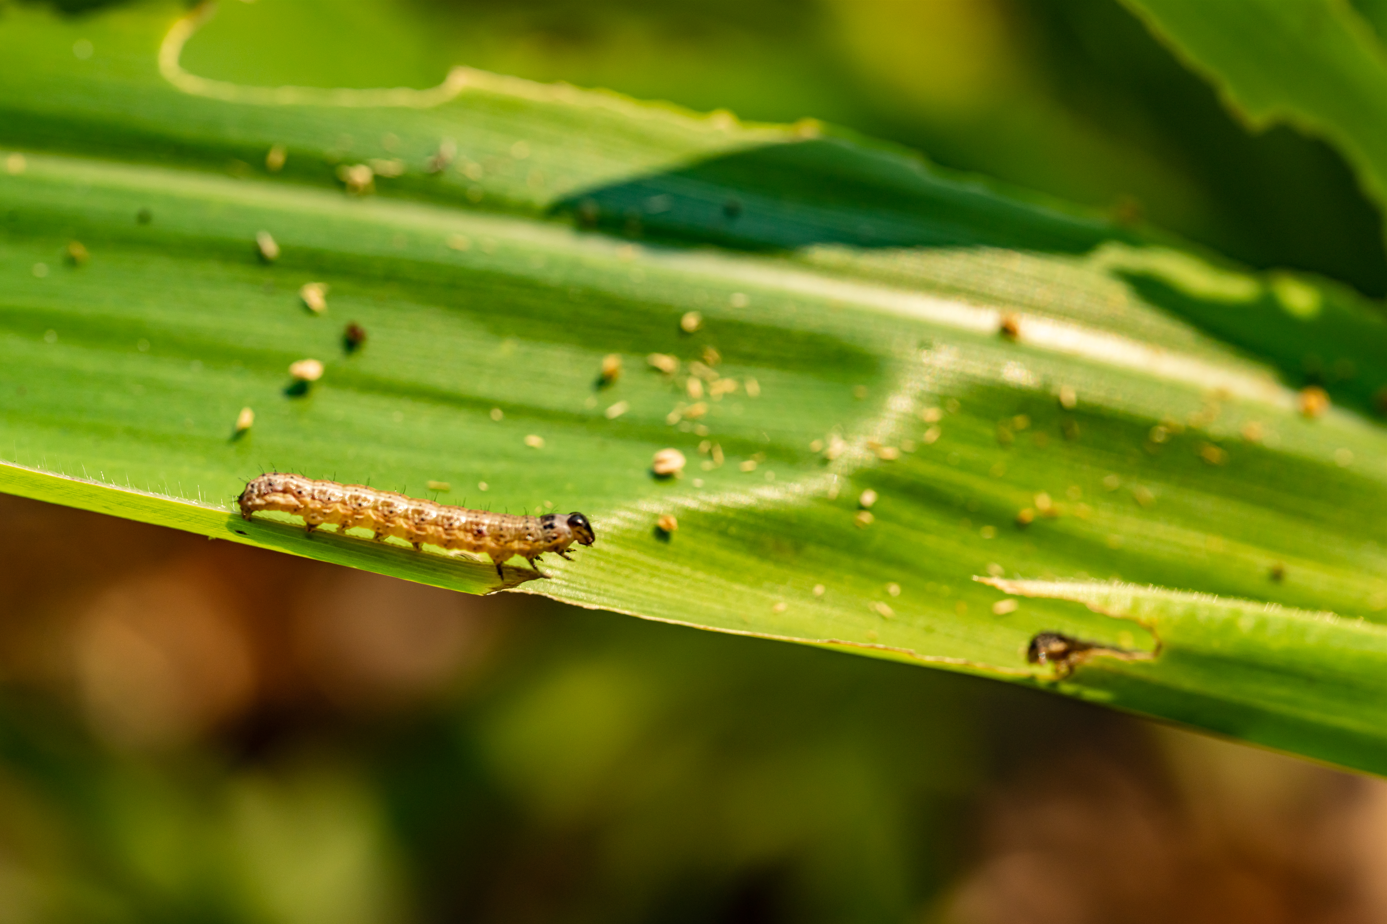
1315,64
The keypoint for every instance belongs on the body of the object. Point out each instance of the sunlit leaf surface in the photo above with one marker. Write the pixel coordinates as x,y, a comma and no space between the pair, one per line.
890,381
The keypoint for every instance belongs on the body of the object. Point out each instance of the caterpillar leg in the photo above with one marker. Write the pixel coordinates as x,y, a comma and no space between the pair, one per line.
563,553
499,572
536,567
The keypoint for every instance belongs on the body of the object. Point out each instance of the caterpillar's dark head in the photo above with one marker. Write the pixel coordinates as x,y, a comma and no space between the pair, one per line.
582,529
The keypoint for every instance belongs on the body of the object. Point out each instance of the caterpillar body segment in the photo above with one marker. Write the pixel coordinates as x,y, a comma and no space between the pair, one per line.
500,536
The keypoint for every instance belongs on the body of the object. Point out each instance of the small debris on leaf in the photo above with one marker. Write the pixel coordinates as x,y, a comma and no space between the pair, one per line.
663,362
359,179
306,370
266,245
353,337
314,295
1314,401
668,463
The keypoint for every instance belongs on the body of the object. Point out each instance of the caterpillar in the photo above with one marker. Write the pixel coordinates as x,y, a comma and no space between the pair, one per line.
500,535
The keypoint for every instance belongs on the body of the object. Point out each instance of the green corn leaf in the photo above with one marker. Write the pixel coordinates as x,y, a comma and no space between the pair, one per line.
891,381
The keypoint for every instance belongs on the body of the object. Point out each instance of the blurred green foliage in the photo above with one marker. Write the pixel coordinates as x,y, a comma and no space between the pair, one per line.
1071,97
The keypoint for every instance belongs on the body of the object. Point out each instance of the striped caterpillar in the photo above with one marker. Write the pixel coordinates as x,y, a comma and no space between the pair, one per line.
499,535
